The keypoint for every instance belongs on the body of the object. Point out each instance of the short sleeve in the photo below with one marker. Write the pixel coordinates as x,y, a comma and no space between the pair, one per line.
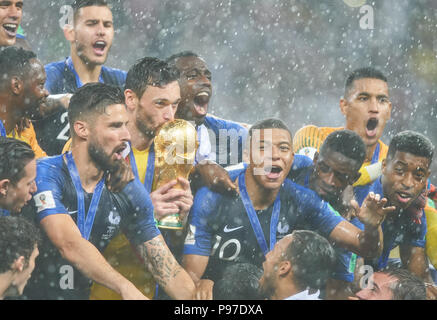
49,182
199,238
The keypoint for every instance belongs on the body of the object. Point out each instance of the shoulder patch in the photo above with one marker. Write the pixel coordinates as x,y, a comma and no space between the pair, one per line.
308,151
44,200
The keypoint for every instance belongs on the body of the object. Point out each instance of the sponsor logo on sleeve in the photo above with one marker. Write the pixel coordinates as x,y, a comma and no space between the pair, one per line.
44,200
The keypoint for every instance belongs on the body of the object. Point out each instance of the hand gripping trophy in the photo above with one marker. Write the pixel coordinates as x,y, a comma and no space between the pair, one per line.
175,150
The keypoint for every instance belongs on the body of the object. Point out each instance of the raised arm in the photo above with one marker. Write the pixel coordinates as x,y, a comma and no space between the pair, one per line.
55,103
367,243
65,235
166,270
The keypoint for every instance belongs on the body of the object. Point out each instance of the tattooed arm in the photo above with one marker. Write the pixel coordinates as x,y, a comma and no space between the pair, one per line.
166,270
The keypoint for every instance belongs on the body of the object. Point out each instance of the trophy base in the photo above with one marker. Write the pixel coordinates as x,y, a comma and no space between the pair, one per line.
170,222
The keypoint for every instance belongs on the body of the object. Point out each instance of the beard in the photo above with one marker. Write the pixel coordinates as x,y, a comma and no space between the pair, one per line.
267,287
101,159
145,129
80,50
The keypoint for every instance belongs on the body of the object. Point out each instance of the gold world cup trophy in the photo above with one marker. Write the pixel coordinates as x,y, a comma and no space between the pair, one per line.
175,149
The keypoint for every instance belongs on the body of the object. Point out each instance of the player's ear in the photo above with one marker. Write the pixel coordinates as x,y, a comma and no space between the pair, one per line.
343,106
81,129
384,165
284,268
4,185
130,99
246,151
18,264
69,32
16,85
316,157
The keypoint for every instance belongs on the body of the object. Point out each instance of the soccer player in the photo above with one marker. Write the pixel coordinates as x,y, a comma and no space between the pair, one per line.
152,96
228,229
11,12
332,175
221,141
392,284
19,241
80,216
300,261
22,93
90,38
17,175
404,176
367,108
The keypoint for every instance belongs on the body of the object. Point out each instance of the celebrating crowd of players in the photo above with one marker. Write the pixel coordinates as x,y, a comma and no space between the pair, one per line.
308,217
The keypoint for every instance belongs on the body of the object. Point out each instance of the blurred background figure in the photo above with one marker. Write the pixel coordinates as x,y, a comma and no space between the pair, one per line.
19,241
392,284
239,282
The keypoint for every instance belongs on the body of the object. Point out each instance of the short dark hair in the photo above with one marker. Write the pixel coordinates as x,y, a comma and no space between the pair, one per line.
14,62
92,98
18,237
14,156
312,259
347,143
150,72
183,54
240,281
411,142
270,123
79,4
362,73
408,286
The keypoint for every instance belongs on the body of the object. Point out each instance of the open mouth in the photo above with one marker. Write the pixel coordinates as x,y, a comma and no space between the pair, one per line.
118,153
201,101
99,47
371,127
11,29
273,172
403,197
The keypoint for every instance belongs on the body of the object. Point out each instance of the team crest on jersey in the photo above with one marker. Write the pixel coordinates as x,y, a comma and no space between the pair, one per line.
283,227
114,218
44,200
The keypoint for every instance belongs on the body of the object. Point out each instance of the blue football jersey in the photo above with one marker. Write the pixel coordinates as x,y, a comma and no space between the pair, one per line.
130,210
219,226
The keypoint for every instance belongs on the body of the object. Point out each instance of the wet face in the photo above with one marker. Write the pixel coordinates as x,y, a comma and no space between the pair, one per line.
196,89
157,106
11,12
271,157
367,109
35,93
404,178
93,34
381,289
333,172
108,137
271,264
20,193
